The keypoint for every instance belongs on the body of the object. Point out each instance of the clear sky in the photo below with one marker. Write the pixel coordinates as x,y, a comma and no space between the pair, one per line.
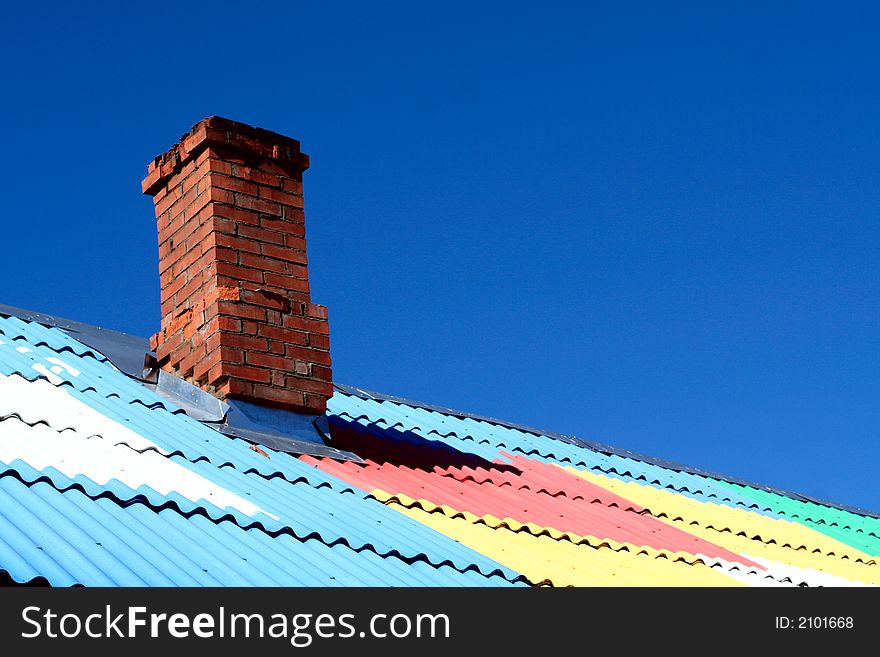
654,226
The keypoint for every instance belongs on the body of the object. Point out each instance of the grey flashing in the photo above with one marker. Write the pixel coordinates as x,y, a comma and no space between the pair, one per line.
195,402
277,429
132,356
281,429
125,351
286,444
600,447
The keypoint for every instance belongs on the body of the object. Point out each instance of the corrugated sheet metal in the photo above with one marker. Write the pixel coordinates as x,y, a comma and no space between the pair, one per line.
488,441
102,482
73,427
564,563
726,519
496,484
579,510
334,514
862,532
70,538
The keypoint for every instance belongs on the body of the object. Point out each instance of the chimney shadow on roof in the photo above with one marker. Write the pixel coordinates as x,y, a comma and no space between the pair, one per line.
400,447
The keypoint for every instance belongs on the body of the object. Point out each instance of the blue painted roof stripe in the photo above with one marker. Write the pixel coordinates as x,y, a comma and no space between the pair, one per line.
70,538
56,339
489,441
354,518
357,519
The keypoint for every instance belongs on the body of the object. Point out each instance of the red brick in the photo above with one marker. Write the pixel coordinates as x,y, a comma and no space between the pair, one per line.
235,387
286,282
267,299
234,184
261,177
275,167
280,396
310,385
315,404
321,373
230,355
185,291
233,268
309,355
217,195
165,249
292,186
280,196
185,262
257,205
295,242
166,278
244,343
262,262
201,369
230,324
176,200
185,228
293,214
319,341
237,273
242,310
295,236
316,311
270,361
235,215
283,334
306,324
236,243
169,343
261,234
223,254
247,373
275,222
212,338
284,253
215,375
215,164
195,179
167,226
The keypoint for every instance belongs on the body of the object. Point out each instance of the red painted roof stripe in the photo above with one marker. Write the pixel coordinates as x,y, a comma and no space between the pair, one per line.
576,508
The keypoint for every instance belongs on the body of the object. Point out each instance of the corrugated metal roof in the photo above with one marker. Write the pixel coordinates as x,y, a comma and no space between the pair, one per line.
500,474
578,510
70,538
334,514
103,482
544,559
488,441
74,427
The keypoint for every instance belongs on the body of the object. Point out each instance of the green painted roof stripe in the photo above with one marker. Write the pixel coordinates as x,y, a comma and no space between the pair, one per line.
860,532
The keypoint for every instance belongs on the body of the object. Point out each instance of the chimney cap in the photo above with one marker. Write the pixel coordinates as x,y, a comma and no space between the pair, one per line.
246,141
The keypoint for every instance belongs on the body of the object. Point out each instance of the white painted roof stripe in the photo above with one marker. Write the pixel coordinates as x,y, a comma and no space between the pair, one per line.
80,441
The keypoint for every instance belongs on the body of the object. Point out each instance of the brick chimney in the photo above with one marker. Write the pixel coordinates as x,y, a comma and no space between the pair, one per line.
237,317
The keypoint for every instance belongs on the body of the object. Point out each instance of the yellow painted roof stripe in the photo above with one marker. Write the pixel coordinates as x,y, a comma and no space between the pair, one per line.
720,516
536,530
745,532
562,563
544,560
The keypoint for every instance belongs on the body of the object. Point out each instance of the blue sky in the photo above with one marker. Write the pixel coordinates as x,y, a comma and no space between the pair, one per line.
652,226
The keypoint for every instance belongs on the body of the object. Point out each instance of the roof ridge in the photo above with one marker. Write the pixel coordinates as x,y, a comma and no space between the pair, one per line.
599,447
